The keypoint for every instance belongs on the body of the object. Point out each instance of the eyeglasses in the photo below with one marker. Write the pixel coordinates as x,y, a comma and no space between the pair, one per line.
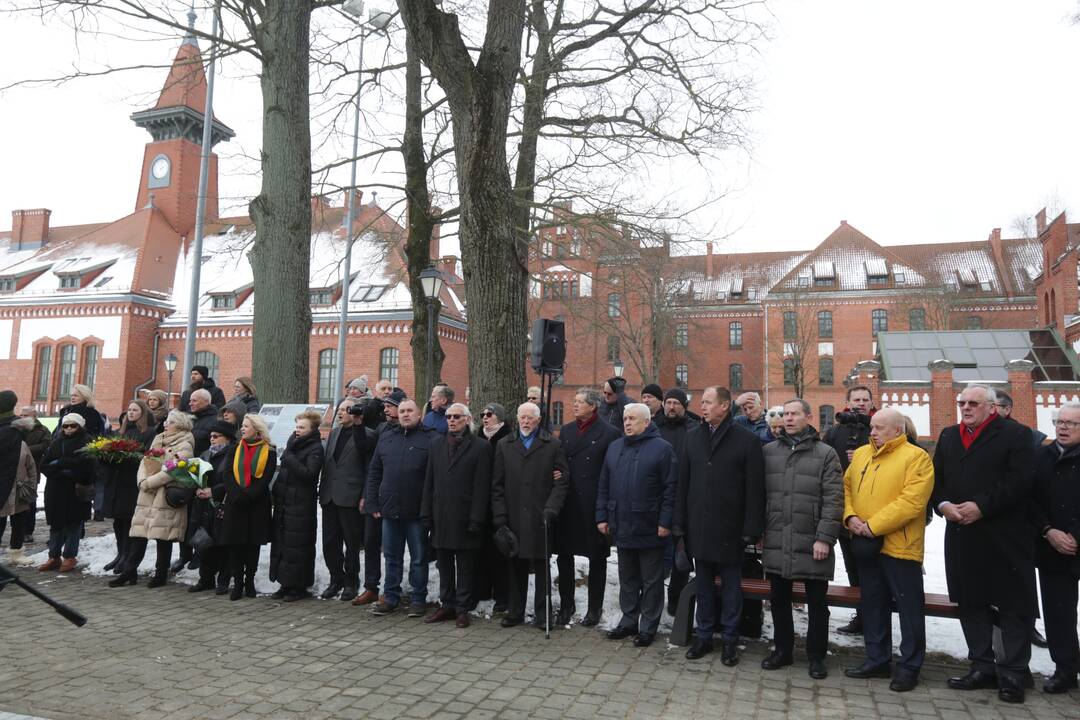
70,425
455,416
486,413
969,403
1067,424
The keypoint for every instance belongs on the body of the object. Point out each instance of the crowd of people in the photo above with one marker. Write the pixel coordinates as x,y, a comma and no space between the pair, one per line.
490,499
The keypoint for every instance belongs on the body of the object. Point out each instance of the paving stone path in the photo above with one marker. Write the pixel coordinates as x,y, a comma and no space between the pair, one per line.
165,653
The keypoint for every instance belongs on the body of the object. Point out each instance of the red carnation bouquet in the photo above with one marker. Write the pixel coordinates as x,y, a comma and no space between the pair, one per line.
113,451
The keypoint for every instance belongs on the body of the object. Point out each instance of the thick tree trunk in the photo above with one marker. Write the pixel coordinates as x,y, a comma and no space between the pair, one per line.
280,257
421,226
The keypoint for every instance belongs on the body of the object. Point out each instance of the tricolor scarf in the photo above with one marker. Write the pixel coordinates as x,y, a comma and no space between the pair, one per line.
249,461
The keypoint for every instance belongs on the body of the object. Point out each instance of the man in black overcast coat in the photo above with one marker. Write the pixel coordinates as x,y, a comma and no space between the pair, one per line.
719,509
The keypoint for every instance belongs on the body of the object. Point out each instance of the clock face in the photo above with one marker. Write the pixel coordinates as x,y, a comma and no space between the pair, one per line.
160,168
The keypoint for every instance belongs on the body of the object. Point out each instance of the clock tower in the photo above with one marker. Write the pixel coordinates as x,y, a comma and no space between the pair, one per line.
170,167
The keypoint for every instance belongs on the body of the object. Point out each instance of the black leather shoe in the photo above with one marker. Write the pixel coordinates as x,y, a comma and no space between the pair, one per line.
1059,682
279,594
903,682
591,619
643,640
348,593
869,671
111,564
125,578
511,620
237,591
201,586
1010,691
699,649
565,615
331,592
974,680
776,660
294,595
817,670
729,653
621,633
222,588
249,587
854,626
177,566
157,580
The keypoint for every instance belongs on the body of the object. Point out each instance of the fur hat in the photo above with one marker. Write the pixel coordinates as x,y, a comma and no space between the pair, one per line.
222,427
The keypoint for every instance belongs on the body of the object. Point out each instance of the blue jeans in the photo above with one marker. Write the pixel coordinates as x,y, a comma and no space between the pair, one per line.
396,532
65,538
730,599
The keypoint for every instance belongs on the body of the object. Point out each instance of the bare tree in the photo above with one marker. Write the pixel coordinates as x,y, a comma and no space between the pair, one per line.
796,348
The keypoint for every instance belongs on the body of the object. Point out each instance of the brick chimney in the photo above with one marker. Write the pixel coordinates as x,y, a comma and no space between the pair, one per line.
29,228
1040,222
708,260
999,256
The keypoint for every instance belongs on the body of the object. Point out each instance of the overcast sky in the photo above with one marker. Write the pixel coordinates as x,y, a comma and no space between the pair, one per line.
916,122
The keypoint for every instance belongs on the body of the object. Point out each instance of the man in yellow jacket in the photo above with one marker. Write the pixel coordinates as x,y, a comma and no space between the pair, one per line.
886,488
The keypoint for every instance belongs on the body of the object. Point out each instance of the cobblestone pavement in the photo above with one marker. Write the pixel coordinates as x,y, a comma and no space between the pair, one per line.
164,653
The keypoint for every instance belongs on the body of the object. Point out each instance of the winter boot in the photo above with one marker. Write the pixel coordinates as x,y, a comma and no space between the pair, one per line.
49,565
249,586
159,578
18,557
68,564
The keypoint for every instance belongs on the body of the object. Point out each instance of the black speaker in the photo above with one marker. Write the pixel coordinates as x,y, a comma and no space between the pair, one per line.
548,351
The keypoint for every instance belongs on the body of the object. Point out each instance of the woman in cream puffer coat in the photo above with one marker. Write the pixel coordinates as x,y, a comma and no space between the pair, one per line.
154,519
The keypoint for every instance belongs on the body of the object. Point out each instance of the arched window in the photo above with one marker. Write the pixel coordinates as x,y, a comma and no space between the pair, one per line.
89,370
1046,307
824,324
1053,306
734,335
325,390
682,375
44,372
388,365
557,413
825,417
210,360
69,356
879,320
735,377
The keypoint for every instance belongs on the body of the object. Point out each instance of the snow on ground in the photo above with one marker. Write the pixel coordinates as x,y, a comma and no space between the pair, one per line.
943,635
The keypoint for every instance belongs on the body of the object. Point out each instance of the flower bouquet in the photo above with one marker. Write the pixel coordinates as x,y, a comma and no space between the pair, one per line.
113,451
154,453
187,475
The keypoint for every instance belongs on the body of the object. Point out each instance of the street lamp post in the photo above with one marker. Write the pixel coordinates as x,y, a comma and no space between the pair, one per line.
432,282
170,367
377,20
619,368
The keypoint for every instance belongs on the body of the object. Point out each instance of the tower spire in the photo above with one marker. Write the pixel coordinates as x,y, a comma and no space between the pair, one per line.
189,38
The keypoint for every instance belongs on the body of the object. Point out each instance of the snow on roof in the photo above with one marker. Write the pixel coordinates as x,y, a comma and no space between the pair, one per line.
876,267
824,270
1023,258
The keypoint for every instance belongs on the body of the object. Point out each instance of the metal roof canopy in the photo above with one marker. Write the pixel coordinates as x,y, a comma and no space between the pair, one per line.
978,355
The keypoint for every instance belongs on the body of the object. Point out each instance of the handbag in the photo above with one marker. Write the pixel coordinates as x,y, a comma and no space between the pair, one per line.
201,540
84,493
178,496
866,549
25,493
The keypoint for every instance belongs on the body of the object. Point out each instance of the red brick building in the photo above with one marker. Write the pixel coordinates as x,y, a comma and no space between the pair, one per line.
104,304
767,321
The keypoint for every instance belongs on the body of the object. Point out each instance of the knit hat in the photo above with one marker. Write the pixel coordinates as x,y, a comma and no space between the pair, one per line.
237,407
653,389
497,410
395,397
359,383
617,384
223,428
679,394
75,418
8,401
202,370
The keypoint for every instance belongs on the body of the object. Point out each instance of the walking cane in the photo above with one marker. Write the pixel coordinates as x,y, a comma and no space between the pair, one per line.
547,589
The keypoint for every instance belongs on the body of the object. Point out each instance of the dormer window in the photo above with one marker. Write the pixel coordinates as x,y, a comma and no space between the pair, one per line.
824,274
736,287
877,273
7,285
70,282
323,296
369,293
223,302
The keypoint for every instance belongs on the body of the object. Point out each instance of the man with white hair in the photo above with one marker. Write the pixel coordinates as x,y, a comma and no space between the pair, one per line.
753,416
635,505
1055,511
982,470
527,496
887,517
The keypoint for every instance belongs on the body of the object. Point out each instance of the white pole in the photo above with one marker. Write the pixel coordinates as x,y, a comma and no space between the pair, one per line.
350,216
200,208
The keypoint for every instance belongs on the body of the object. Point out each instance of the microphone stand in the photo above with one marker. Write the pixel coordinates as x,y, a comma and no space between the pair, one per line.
8,577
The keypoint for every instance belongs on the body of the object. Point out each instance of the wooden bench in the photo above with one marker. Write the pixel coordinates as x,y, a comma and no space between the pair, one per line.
682,630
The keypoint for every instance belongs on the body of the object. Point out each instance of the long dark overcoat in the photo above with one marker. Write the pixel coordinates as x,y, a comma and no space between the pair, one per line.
246,518
296,496
523,487
993,559
457,492
121,479
63,467
1056,502
577,533
721,497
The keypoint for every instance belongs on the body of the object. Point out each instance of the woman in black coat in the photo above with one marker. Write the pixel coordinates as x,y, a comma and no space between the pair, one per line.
121,487
68,489
296,497
214,560
82,402
245,498
491,569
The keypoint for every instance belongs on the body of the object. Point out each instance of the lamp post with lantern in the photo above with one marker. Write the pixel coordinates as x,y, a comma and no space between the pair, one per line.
170,368
432,282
